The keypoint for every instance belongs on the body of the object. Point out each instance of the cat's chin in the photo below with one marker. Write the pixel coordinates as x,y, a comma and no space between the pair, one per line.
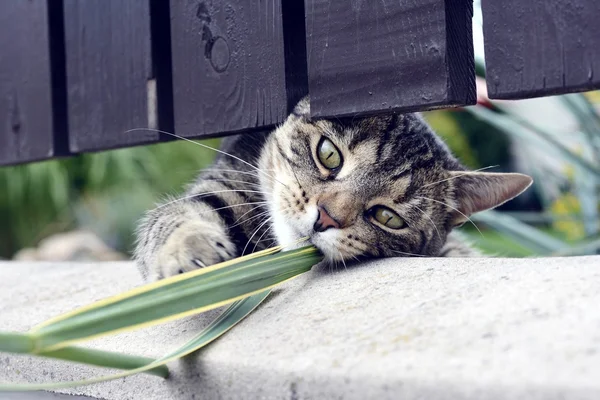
290,233
325,242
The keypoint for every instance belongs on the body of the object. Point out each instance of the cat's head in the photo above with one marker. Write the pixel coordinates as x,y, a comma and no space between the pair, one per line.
372,187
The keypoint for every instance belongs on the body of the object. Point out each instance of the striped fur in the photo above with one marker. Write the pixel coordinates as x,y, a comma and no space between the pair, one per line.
268,188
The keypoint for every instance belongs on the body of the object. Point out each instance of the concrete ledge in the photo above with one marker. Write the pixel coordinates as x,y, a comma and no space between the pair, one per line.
396,328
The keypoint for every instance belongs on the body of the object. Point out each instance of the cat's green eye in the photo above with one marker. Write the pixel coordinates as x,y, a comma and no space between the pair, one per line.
387,217
328,154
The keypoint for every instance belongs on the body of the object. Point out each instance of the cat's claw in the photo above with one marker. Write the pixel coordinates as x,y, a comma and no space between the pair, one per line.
192,246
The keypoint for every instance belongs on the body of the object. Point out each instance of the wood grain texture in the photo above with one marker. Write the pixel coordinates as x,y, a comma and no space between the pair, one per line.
374,56
110,86
541,47
26,120
228,65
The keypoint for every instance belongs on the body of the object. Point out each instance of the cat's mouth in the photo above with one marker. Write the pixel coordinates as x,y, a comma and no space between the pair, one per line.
299,231
324,241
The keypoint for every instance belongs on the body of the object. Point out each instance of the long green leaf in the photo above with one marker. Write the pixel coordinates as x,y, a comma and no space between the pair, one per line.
106,359
580,249
22,343
235,313
176,297
14,342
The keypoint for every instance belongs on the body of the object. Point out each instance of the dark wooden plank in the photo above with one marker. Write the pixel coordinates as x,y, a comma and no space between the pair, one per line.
373,56
110,83
26,121
541,47
294,38
228,65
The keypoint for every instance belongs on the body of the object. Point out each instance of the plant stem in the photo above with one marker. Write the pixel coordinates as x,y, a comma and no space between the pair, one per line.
12,342
106,359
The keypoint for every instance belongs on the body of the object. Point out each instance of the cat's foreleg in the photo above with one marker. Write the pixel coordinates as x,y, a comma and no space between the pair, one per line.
181,236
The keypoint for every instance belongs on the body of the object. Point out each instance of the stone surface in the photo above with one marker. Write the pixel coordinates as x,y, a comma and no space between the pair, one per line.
77,245
396,328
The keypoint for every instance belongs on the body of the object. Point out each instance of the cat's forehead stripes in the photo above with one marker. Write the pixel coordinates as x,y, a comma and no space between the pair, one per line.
374,128
400,186
357,159
355,131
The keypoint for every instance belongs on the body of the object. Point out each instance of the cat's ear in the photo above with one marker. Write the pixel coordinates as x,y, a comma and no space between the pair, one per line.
478,191
302,109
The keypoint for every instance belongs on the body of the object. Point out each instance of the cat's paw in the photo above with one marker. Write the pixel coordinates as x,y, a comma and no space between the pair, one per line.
192,245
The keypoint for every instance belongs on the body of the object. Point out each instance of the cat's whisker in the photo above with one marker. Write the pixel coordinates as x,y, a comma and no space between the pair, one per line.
296,176
260,238
251,173
206,147
231,206
200,195
302,239
459,175
432,223
234,181
458,211
272,242
294,243
255,232
342,259
247,212
259,215
283,246
238,222
233,171
408,254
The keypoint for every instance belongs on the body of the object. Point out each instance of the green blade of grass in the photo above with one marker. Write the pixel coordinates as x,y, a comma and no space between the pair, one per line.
234,314
176,297
583,248
13,342
106,359
22,343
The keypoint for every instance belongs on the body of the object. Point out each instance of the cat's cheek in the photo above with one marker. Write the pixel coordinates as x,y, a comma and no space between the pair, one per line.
284,234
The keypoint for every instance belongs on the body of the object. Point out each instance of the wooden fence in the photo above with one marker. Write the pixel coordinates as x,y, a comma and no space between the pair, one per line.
75,75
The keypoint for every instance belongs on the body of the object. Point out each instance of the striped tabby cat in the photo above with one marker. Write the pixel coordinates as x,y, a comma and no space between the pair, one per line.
358,187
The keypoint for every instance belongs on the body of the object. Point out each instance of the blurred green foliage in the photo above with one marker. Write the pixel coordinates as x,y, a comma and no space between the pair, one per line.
447,126
104,192
473,141
560,214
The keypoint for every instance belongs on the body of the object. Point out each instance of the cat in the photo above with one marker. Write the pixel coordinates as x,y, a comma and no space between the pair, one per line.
358,188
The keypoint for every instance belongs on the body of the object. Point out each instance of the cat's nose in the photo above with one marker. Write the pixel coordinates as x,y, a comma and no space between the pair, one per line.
324,221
